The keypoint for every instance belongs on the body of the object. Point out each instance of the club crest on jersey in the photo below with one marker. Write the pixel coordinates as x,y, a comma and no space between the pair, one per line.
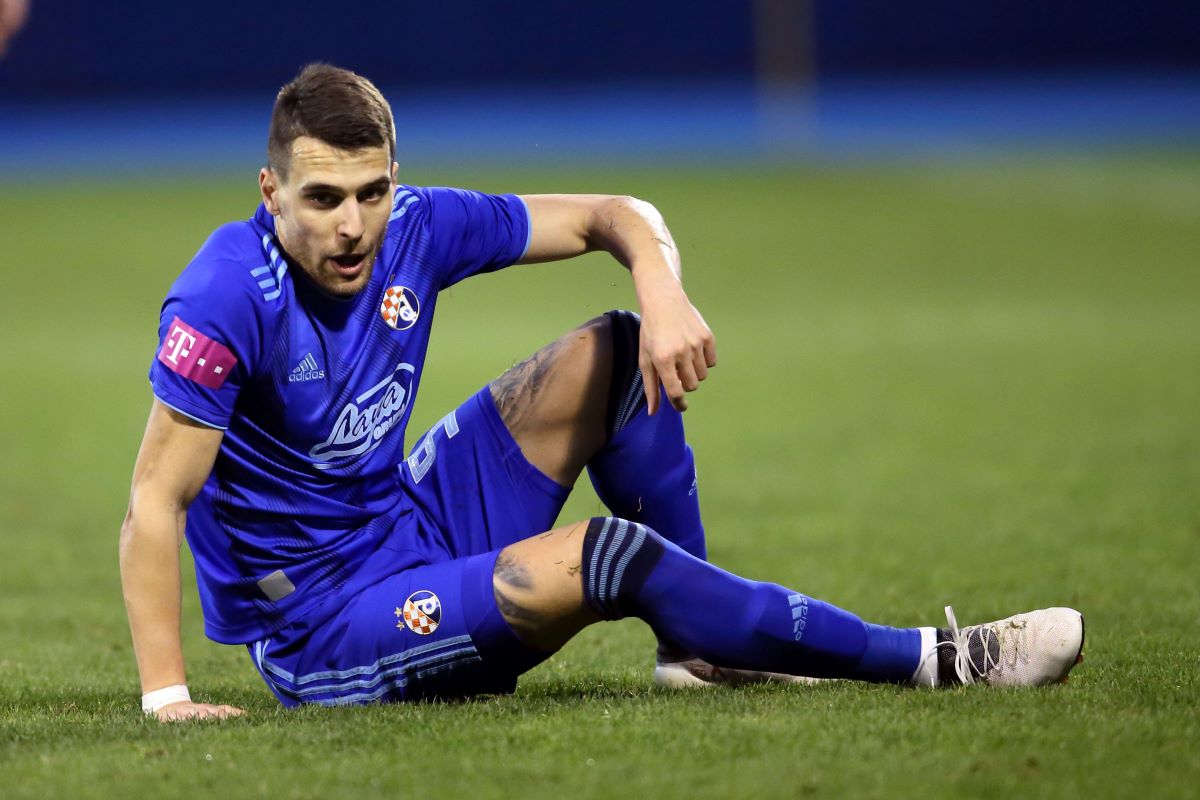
422,613
400,308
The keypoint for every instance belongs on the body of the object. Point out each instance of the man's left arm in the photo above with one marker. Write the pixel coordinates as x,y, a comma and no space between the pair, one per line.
677,346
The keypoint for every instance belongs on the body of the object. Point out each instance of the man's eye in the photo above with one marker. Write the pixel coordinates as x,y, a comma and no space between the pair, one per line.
325,200
371,194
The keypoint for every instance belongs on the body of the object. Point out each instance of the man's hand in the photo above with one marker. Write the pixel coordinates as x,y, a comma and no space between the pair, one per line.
677,346
187,710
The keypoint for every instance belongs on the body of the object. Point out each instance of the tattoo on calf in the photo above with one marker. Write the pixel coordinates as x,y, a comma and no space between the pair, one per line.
513,572
514,613
512,577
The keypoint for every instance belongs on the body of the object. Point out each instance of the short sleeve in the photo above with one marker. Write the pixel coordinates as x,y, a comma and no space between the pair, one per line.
209,338
472,232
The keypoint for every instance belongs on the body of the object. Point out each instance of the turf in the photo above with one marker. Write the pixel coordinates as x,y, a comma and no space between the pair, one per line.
969,383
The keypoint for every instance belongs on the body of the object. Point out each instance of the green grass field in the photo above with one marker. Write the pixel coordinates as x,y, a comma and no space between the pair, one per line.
972,384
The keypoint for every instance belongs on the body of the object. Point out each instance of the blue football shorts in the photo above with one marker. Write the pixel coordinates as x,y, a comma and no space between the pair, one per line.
431,630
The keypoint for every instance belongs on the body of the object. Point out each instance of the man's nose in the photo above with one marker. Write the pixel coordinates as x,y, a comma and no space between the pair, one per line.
351,224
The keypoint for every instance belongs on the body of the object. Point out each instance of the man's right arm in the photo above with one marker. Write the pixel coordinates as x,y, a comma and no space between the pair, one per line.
175,459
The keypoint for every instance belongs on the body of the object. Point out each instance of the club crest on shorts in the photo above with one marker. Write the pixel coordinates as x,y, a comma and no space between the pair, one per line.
422,613
400,308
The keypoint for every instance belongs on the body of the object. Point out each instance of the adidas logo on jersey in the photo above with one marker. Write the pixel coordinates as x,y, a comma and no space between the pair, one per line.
306,370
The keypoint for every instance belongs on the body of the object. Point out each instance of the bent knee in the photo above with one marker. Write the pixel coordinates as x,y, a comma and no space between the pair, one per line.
557,383
589,343
538,589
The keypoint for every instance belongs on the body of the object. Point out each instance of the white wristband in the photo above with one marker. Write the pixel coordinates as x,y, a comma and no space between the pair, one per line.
153,701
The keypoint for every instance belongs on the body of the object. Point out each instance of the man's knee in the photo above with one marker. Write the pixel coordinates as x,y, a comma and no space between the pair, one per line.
538,588
600,355
553,385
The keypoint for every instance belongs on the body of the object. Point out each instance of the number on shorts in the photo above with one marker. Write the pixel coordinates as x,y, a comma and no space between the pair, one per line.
421,460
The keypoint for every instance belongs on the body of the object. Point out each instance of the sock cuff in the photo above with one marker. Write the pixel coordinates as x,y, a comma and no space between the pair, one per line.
626,395
617,557
928,670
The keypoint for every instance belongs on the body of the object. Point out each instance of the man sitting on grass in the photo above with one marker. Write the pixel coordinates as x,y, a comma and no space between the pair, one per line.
291,349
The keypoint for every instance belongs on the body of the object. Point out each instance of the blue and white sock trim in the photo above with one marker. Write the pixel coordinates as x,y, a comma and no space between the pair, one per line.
626,395
617,555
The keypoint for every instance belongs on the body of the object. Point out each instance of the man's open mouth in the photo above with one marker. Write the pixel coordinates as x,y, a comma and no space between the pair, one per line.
350,263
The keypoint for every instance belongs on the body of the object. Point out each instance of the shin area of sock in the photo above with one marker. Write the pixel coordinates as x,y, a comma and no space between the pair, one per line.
647,474
736,622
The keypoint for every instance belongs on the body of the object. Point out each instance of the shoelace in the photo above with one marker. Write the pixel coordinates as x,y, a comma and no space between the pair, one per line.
960,641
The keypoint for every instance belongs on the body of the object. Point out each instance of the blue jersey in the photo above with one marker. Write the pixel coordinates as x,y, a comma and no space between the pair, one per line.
314,394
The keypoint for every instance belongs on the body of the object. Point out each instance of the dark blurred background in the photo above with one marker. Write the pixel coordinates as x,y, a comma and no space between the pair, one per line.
76,48
90,85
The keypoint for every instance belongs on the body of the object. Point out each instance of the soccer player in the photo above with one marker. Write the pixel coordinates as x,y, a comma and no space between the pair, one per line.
290,351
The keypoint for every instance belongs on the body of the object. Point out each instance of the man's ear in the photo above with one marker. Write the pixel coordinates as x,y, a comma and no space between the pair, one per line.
268,185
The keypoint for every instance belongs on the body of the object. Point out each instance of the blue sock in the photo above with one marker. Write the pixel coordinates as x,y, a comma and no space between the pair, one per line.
646,472
629,570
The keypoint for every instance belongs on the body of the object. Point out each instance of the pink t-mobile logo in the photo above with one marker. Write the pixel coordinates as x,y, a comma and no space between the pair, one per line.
188,352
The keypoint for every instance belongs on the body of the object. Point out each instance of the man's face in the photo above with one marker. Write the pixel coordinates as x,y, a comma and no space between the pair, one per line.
331,211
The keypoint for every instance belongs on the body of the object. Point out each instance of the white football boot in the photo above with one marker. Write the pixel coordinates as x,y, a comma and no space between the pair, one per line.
696,673
1031,649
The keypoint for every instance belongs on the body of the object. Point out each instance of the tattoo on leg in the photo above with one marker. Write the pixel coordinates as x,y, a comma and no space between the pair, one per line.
518,388
513,572
512,578
515,614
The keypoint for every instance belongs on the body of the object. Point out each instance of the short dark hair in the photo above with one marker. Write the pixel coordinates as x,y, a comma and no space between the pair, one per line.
334,105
